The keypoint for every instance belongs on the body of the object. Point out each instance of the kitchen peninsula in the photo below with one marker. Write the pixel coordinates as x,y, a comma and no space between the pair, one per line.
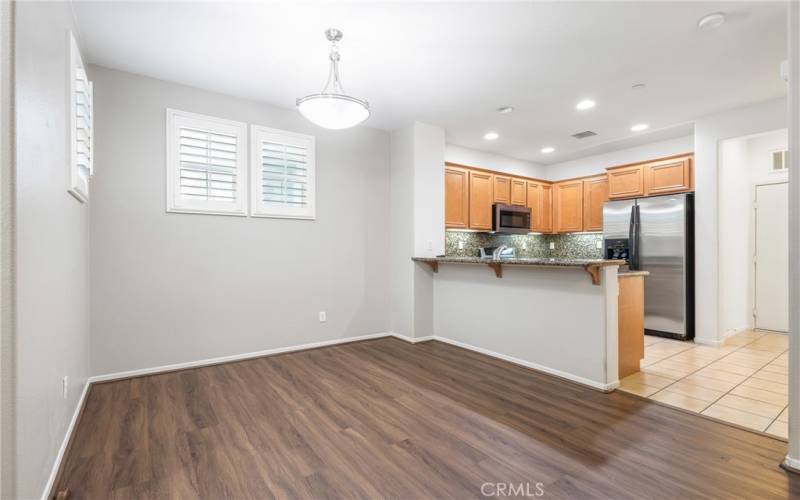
559,316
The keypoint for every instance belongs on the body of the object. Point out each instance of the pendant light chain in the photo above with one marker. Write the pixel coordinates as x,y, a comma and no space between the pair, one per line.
333,71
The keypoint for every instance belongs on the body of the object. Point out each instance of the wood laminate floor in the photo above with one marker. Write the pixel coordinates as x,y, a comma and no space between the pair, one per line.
387,419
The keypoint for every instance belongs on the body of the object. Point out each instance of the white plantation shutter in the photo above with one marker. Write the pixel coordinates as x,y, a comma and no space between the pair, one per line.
282,174
206,167
81,126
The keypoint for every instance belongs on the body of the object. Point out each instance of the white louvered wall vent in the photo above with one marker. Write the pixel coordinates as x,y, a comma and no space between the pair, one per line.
780,161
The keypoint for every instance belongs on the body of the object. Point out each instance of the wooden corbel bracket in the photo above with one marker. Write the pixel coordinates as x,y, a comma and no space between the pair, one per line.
594,272
498,269
434,265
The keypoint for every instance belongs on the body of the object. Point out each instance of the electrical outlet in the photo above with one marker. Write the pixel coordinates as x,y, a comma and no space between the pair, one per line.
599,245
524,245
323,317
461,245
552,245
430,246
65,385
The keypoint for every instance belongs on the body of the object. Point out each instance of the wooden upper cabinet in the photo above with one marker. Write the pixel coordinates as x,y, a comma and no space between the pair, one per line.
502,189
540,201
595,194
534,202
626,182
546,222
456,198
481,196
518,192
568,206
668,176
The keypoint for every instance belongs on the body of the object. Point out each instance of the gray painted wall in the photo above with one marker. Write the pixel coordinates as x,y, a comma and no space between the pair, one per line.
402,231
169,288
52,248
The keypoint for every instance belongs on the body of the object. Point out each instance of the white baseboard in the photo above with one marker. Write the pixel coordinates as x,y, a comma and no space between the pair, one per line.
711,342
535,366
63,449
234,357
412,340
792,463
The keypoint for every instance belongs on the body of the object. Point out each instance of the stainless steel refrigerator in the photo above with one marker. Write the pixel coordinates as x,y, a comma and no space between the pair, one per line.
656,234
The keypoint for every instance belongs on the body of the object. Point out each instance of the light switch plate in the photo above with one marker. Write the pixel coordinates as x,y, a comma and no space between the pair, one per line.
323,317
552,245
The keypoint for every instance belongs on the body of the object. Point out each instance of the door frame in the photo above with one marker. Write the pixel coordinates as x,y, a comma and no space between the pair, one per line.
754,256
8,417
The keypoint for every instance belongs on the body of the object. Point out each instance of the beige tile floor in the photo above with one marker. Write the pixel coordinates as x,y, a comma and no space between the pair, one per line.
743,381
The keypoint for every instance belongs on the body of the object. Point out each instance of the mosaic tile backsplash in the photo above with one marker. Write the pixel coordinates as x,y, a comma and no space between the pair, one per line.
567,246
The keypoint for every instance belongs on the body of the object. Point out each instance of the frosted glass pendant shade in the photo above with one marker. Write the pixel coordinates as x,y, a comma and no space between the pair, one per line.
333,111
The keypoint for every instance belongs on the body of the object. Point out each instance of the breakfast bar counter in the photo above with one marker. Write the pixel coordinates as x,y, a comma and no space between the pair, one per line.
559,316
591,266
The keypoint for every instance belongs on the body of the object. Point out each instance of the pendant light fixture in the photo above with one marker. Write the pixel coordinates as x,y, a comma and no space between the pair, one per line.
332,108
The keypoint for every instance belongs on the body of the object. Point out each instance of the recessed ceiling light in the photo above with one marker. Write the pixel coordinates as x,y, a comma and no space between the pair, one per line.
639,127
711,21
505,109
490,136
585,104
548,149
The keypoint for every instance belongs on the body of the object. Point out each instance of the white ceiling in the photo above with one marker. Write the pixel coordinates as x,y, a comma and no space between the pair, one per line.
453,64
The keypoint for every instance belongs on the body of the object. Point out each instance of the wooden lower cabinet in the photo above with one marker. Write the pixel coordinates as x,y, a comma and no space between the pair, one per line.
481,197
456,198
668,176
518,192
630,324
502,189
568,206
595,195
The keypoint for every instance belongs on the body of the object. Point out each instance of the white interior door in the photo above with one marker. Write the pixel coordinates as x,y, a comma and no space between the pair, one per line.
772,257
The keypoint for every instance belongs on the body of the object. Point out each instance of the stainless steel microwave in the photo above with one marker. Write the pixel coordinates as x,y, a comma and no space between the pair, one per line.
511,219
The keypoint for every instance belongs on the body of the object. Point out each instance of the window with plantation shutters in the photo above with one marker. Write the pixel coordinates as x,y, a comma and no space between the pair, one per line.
206,164
281,174
81,125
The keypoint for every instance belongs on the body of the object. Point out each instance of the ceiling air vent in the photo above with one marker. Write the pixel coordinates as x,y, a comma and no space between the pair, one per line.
584,134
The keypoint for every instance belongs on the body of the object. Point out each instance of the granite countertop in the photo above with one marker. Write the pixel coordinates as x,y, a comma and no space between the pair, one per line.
523,261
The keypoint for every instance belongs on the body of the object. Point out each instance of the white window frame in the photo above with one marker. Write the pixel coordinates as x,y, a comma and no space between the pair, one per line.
175,120
257,207
78,183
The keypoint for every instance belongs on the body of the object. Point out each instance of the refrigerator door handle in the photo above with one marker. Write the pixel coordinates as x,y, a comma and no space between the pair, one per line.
633,239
